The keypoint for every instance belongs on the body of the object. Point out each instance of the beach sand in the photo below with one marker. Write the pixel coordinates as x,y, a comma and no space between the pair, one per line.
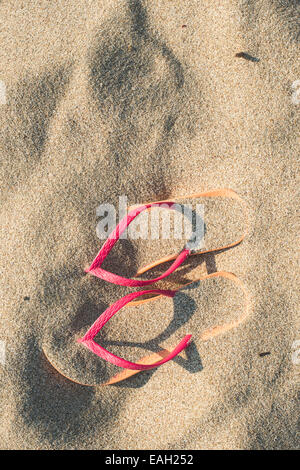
148,100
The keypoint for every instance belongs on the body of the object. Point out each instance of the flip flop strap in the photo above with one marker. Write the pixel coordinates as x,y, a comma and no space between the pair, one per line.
96,269
88,338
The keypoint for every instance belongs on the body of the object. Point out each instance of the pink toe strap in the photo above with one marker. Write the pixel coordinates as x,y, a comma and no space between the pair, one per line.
96,269
88,338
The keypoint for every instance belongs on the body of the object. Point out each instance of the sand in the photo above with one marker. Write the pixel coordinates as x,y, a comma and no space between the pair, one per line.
148,99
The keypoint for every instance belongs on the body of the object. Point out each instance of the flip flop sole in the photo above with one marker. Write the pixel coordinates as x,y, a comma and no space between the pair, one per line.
198,308
225,225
